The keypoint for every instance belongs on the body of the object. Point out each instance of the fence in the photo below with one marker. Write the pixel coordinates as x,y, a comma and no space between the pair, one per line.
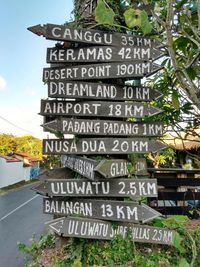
177,190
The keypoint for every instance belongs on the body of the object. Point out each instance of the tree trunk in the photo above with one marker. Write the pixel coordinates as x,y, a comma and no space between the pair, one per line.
83,10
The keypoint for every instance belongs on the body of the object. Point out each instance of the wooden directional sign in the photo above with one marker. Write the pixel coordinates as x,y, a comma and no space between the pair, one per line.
101,71
102,54
81,165
98,108
100,146
89,90
113,168
104,127
101,209
98,229
141,167
101,188
64,33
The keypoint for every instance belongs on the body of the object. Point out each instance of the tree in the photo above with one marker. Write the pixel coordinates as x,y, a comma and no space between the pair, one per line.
7,144
176,24
27,144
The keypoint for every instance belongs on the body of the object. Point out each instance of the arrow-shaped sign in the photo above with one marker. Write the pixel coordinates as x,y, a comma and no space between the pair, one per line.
98,109
101,188
102,54
98,229
83,166
102,91
113,168
104,127
101,71
100,146
90,36
101,209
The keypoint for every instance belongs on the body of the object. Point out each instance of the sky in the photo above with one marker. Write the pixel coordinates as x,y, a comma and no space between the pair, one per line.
22,59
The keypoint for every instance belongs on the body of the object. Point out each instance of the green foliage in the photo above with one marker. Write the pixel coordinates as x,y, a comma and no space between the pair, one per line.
27,144
103,14
124,252
32,252
135,19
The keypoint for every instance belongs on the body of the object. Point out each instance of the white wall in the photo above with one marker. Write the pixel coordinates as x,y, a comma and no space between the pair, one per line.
11,172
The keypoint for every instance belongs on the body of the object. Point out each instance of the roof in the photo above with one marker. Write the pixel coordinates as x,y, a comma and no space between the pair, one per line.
27,156
183,141
9,159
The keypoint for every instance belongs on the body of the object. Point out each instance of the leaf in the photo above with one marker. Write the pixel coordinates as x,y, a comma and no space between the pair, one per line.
175,100
104,15
183,263
132,18
177,243
146,26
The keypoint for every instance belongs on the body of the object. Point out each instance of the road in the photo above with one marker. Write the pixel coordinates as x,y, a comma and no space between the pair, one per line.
20,217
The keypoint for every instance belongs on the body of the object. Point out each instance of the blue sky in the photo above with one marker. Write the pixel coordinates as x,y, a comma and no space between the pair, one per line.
22,58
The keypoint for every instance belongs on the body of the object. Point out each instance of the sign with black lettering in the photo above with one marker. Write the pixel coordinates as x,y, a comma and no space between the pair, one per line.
101,71
104,127
98,108
83,166
101,188
98,229
102,54
102,91
101,209
100,146
90,36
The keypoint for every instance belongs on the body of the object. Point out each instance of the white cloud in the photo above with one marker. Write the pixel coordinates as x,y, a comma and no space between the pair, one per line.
21,121
2,83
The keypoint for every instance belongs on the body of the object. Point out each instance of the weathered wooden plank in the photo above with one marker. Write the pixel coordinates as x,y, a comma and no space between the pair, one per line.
101,91
101,71
188,195
176,182
101,188
119,168
98,109
102,54
100,146
101,209
141,167
113,168
173,210
98,229
90,36
81,165
101,127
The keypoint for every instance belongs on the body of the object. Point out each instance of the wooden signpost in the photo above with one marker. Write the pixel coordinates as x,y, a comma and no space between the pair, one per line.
100,188
98,108
98,229
101,71
101,209
111,56
83,166
102,146
104,127
90,36
101,91
102,54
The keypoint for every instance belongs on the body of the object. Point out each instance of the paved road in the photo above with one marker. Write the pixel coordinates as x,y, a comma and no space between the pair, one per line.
20,217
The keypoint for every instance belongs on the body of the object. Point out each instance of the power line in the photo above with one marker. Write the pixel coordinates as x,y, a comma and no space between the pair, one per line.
11,123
